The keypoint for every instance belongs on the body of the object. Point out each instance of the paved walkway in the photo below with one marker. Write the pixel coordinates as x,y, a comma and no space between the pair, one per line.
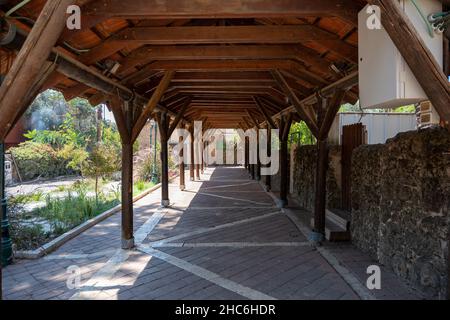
222,238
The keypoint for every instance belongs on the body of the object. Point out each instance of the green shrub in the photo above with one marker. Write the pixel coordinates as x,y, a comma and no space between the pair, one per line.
146,169
36,159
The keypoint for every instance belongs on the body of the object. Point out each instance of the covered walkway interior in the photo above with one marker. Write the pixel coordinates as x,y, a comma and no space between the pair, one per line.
244,64
223,238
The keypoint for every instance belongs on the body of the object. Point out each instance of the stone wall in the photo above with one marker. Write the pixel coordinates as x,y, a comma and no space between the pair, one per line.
304,174
400,204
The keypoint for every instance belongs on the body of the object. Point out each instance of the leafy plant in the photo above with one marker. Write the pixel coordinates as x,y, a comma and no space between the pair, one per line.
301,134
102,161
36,159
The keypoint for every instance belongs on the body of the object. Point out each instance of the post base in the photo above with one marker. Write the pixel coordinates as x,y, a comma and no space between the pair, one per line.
281,203
165,203
128,244
192,179
316,237
182,187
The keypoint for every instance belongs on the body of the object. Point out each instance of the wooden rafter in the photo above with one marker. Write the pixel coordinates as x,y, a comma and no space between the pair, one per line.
180,114
346,9
263,110
28,63
298,105
152,103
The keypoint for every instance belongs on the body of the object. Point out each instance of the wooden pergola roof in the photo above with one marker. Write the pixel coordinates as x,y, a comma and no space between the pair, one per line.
223,52
237,62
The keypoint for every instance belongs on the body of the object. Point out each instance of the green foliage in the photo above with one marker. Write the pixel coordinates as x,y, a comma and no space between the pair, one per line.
59,215
301,134
28,198
140,186
146,170
102,162
347,107
406,109
39,160
75,156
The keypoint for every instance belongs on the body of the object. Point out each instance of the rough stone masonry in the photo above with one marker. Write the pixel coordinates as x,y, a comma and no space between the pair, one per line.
400,206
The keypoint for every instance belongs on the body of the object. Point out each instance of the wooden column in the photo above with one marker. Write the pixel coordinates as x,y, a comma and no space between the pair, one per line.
164,127
127,180
283,163
253,171
326,113
197,165
182,164
267,179
245,153
192,165
258,162
285,125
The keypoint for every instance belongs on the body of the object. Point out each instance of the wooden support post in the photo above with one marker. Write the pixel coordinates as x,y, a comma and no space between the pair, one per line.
267,180
127,181
245,153
285,125
182,164
326,113
192,165
321,175
253,171
197,158
163,123
320,189
258,160
28,64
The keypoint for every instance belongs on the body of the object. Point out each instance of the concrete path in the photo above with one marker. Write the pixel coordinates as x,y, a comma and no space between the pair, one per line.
222,238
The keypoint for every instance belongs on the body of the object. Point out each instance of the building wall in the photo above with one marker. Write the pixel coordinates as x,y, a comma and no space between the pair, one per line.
379,126
400,206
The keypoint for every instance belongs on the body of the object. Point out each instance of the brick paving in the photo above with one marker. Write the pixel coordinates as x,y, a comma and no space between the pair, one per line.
222,238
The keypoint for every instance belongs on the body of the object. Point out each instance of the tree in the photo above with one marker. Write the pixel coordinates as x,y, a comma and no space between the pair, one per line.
102,162
302,134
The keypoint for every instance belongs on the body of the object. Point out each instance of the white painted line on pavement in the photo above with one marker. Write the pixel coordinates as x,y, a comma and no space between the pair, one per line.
103,277
215,228
229,244
207,275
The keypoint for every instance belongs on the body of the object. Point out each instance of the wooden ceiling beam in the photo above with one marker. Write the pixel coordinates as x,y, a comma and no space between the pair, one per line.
219,34
175,9
223,76
280,34
146,54
294,67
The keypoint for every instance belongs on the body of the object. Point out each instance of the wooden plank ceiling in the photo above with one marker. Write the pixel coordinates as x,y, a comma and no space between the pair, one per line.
223,52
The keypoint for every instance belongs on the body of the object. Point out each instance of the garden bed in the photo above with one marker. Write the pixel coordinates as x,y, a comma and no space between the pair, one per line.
69,221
